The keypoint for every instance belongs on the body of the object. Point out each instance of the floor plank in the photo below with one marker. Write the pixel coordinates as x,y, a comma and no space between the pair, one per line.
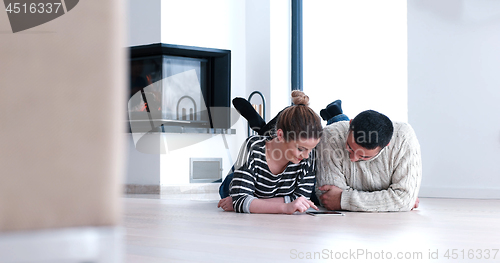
173,229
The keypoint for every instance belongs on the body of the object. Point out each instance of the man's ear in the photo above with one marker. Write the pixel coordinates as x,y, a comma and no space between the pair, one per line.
350,122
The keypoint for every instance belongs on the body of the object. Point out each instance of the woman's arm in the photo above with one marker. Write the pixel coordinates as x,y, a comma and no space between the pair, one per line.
306,178
278,206
272,205
227,203
242,187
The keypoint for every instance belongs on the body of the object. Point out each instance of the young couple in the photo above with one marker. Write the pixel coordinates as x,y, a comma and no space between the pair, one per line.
359,167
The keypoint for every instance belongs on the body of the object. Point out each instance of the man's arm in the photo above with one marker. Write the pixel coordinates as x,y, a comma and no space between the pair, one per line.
332,197
330,179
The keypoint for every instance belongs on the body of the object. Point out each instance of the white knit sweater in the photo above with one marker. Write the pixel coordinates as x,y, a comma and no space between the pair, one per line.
388,182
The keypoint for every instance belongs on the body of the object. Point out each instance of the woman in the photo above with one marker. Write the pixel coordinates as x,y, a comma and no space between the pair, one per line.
275,174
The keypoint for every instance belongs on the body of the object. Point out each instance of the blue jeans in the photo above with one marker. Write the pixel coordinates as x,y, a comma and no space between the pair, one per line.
224,187
340,117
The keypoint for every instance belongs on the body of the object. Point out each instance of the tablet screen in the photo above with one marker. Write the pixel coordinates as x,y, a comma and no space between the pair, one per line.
318,213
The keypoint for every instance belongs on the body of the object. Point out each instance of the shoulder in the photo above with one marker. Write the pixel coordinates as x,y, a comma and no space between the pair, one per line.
255,142
337,127
403,130
252,148
402,127
335,134
403,134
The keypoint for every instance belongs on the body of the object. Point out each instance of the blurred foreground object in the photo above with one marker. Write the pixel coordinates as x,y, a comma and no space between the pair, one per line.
61,137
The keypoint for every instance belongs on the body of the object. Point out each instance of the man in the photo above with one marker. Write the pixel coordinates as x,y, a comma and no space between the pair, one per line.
368,164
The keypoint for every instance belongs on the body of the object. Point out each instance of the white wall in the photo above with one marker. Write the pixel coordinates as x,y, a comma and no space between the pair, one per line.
258,50
356,51
144,20
200,23
141,169
144,24
453,86
244,27
212,24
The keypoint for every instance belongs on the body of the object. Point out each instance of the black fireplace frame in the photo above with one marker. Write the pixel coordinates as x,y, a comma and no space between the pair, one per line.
218,72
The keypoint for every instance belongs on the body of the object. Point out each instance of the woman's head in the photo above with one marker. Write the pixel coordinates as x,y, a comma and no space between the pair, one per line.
299,121
298,129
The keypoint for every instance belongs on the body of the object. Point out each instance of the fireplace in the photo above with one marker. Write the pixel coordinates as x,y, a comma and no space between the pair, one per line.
177,88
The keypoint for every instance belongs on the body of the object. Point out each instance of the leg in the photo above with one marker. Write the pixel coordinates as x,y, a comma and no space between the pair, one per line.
333,113
270,128
246,110
340,117
224,187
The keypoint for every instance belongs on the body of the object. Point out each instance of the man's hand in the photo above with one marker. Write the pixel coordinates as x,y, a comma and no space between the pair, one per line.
331,198
226,204
416,204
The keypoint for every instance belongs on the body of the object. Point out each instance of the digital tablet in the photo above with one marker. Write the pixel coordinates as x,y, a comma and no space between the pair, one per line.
324,213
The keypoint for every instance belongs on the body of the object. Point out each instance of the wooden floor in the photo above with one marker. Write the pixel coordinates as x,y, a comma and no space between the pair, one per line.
193,229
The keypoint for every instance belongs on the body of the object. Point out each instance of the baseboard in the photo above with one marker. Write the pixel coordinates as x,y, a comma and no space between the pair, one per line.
142,189
459,192
201,188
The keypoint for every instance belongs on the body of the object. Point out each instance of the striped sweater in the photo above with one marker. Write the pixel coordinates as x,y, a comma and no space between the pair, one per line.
388,182
253,178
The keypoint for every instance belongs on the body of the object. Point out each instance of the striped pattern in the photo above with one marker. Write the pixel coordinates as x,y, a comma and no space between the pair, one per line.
253,178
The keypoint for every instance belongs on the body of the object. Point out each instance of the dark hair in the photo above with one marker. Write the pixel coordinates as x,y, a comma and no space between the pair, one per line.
372,129
299,121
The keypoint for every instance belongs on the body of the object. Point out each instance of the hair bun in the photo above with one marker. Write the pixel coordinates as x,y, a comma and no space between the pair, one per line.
299,97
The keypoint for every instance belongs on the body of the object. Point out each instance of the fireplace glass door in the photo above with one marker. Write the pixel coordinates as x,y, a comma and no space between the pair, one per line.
176,86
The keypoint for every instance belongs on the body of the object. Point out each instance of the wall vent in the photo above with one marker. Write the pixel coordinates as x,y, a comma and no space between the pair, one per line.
205,170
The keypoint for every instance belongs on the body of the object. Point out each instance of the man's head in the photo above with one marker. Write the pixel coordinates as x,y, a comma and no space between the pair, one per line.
369,133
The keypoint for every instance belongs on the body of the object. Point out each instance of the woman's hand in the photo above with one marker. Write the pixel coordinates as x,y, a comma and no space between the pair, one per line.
226,204
300,204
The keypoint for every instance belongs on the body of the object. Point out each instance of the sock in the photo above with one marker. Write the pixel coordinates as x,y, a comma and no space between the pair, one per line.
324,115
248,112
333,109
